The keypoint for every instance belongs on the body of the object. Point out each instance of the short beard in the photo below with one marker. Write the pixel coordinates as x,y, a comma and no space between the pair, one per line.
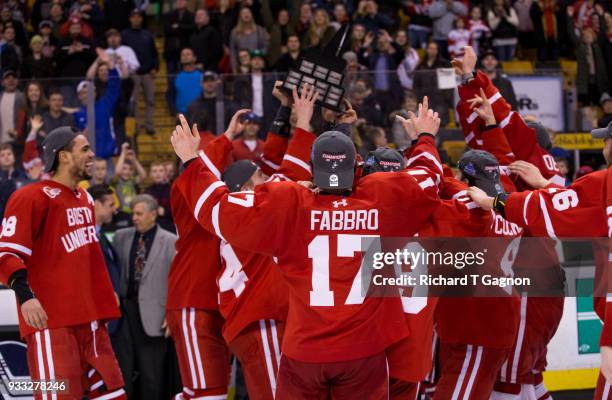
80,174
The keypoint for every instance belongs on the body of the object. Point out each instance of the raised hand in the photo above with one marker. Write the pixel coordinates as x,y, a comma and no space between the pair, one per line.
408,126
36,123
185,141
236,125
303,106
467,64
283,97
427,121
349,116
606,362
482,107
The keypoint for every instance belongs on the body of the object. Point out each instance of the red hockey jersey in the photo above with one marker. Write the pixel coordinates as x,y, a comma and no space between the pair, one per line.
557,212
317,239
50,229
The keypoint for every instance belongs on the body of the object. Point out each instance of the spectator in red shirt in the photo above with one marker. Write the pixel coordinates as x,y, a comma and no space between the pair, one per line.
249,146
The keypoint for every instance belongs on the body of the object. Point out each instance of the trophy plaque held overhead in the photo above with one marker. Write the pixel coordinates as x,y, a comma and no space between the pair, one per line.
324,69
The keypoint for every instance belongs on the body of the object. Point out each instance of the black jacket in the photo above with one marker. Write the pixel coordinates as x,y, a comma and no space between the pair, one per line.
143,44
75,64
207,45
504,86
177,29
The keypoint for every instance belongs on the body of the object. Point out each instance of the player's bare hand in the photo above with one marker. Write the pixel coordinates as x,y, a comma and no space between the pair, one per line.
467,64
349,116
303,105
482,107
480,197
427,120
408,126
606,362
283,97
236,125
184,141
529,173
34,314
309,185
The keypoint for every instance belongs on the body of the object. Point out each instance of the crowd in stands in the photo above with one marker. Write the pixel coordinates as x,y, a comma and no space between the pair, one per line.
64,61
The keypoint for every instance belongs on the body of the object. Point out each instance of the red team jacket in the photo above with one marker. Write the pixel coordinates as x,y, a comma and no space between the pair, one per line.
50,229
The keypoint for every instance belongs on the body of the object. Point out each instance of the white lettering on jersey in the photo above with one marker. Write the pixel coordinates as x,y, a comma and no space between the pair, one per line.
79,237
345,220
51,192
505,228
8,226
79,216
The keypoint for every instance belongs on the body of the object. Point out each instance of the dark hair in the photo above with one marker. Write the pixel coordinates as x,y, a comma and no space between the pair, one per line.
200,117
7,146
99,159
54,91
43,102
99,191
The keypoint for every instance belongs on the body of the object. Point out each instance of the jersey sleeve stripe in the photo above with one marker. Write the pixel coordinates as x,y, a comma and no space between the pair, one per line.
459,194
297,162
269,163
469,137
525,205
210,165
492,100
506,120
204,196
215,221
549,228
430,157
17,247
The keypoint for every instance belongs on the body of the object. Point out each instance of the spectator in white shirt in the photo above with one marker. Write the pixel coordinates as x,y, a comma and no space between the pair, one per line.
12,108
113,39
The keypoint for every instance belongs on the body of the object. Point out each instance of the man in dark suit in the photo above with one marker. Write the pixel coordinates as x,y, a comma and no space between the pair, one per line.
145,253
104,208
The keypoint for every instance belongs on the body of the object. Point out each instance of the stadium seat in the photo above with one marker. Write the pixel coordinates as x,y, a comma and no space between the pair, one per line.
517,67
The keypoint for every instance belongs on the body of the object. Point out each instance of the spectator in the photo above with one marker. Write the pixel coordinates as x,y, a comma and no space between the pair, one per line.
206,103
170,167
117,13
90,13
11,177
583,11
200,117
7,19
253,91
50,42
367,14
37,65
354,70
55,116
544,16
249,146
381,60
426,82
145,253
10,53
605,37
479,31
365,103
592,75
405,70
420,23
504,23
99,176
187,83
246,35
305,17
57,18
582,171
503,84
116,49
143,44
320,31
398,132
206,42
372,137
12,108
358,34
606,107
126,183
526,37
458,38
443,14
76,53
289,60
564,169
244,61
341,16
104,210
225,17
106,145
160,190
36,101
178,26
280,29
